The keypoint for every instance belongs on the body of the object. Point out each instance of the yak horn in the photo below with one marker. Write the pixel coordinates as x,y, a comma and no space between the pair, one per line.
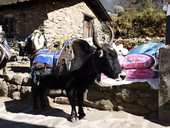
95,41
112,35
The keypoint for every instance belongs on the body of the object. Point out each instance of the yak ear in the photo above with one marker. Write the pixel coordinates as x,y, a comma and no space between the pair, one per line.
100,53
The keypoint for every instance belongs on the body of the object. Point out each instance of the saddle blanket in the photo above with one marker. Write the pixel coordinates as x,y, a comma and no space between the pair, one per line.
49,58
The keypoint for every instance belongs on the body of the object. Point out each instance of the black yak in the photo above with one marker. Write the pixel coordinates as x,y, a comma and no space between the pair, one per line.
103,59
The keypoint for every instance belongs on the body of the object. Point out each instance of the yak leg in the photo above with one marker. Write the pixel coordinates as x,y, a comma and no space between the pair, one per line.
31,60
43,98
72,99
35,94
80,99
4,71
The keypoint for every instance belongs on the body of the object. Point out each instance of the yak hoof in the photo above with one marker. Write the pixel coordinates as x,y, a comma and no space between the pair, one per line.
36,110
81,116
45,107
35,107
73,119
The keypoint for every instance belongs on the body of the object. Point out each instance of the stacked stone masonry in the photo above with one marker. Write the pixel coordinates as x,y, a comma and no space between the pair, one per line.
138,98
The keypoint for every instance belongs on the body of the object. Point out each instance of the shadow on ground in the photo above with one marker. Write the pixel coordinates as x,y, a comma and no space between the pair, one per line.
25,106
7,123
20,69
160,122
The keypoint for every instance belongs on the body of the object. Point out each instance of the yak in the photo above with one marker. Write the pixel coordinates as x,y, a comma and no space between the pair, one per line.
102,59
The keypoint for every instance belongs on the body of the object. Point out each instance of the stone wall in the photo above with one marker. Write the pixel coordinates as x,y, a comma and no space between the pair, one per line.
164,87
137,98
60,18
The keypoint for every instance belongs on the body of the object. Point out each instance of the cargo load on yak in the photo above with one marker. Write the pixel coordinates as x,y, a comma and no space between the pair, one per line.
46,61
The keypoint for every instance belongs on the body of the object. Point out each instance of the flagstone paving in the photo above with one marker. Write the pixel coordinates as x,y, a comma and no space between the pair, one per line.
19,114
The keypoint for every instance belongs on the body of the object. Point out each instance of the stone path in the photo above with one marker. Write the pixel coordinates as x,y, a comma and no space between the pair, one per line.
18,114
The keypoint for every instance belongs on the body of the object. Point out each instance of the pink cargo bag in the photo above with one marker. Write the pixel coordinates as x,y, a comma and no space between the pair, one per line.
137,61
141,73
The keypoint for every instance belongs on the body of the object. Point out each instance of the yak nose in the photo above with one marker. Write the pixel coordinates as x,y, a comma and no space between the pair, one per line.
116,75
117,72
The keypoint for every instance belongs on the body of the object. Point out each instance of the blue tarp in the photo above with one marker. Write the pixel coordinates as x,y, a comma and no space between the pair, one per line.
149,48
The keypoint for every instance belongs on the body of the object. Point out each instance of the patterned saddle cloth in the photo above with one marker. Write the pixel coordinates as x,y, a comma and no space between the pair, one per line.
46,58
46,62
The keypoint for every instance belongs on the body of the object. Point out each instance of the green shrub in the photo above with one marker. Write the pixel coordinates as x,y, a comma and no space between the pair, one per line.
149,22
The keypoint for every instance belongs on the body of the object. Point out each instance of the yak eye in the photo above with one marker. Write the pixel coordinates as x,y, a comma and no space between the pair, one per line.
109,56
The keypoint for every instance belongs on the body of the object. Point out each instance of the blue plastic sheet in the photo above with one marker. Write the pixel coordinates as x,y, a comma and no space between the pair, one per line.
148,48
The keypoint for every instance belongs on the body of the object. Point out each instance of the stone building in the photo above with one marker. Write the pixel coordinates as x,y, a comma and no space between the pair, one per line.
60,18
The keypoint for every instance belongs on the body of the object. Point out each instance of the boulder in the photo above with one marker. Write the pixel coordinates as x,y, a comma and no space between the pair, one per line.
16,95
17,79
134,109
26,81
3,88
104,105
127,95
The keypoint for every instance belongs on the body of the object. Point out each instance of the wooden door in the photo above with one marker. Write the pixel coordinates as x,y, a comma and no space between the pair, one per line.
9,26
87,27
